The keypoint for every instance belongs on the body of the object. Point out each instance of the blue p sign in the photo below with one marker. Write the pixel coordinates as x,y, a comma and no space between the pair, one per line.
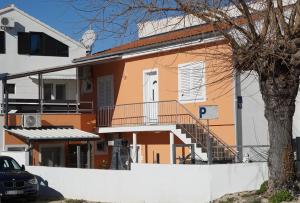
202,111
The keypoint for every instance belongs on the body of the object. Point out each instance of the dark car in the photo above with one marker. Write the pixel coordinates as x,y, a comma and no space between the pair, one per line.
15,182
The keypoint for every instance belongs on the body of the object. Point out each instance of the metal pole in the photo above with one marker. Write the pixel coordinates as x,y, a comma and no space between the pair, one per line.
171,147
134,146
41,84
3,92
174,153
208,143
77,90
238,117
78,156
88,154
4,82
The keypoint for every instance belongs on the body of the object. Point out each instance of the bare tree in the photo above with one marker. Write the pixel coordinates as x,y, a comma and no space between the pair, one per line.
265,38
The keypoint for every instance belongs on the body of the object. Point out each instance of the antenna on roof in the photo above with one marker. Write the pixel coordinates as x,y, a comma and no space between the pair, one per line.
88,39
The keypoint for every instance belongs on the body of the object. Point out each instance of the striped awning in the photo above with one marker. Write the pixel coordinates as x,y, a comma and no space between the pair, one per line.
53,134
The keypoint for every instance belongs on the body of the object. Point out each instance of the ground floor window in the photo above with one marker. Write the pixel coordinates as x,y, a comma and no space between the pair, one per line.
52,155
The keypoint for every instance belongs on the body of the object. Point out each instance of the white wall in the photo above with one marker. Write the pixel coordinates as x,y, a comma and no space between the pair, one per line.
152,183
255,125
21,157
12,62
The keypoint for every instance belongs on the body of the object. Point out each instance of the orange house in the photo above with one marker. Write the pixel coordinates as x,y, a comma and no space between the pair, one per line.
148,93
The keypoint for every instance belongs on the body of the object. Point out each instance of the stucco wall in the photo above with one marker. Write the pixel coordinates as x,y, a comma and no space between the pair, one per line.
128,81
152,183
255,126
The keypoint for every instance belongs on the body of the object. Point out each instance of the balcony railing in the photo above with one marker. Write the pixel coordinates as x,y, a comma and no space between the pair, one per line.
48,106
137,114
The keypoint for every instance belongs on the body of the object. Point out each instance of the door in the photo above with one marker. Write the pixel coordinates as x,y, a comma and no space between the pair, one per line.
105,99
151,97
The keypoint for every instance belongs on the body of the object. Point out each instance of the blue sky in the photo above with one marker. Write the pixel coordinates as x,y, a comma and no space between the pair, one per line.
60,15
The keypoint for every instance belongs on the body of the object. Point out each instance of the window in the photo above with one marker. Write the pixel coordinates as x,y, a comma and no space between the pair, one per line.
2,42
51,155
40,44
36,47
101,146
16,149
48,92
60,92
11,88
54,92
191,82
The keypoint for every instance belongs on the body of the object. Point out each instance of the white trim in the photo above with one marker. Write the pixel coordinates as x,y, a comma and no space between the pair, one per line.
62,153
143,128
203,97
171,47
55,77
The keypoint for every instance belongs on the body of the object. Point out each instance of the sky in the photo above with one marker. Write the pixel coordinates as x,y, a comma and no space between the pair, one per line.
60,15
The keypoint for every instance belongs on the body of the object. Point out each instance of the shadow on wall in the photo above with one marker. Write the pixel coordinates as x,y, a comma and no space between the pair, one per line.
47,192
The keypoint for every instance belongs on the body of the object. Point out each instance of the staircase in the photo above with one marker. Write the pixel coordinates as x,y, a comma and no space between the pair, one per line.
193,128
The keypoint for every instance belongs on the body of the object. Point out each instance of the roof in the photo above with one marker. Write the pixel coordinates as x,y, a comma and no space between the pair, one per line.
156,39
13,7
53,134
6,76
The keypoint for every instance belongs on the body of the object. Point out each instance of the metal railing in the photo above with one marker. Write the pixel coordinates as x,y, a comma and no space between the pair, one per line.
48,106
164,113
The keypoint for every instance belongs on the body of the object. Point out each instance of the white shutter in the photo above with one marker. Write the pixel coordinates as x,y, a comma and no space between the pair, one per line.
191,82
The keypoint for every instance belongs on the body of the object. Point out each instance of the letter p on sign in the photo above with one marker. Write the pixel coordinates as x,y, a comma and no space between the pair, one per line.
208,112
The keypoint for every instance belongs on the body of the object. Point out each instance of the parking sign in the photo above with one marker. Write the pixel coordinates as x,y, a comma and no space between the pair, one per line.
208,112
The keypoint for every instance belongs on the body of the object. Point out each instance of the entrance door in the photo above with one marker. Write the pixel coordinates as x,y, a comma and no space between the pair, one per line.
151,96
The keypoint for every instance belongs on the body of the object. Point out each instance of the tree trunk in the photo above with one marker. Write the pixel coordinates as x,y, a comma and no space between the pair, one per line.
279,94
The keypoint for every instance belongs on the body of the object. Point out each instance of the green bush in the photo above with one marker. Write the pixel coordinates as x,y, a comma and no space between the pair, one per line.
263,188
280,196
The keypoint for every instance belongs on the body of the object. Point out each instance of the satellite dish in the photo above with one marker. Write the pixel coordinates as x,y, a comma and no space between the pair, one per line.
88,39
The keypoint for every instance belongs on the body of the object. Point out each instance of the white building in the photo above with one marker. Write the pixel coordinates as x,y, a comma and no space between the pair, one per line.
28,44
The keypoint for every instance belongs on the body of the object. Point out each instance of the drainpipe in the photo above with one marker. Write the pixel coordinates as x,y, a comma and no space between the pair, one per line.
89,154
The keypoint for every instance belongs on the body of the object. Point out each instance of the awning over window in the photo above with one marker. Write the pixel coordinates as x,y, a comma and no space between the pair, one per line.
53,134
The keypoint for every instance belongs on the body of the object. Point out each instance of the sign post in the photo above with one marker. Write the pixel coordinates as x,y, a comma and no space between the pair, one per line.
208,113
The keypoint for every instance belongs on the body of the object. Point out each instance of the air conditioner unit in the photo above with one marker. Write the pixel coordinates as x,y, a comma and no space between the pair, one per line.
7,22
31,121
84,73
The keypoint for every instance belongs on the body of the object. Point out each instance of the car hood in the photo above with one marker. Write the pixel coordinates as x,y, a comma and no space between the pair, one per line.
15,175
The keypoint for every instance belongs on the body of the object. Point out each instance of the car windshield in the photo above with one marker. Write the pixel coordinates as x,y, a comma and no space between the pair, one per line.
8,164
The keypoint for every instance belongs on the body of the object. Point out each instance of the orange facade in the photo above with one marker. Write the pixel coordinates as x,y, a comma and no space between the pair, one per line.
128,89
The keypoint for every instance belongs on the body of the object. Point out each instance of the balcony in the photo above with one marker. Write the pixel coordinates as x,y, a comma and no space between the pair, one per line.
49,106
